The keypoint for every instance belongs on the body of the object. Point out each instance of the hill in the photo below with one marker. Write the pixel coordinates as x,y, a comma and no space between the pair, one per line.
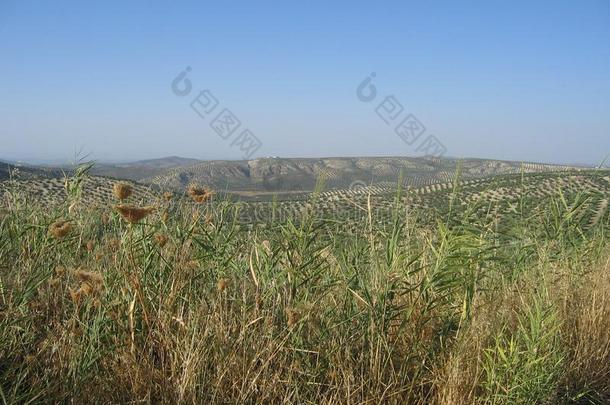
266,176
21,171
500,196
141,169
301,175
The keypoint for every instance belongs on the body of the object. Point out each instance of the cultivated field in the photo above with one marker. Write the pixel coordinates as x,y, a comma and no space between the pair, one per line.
491,289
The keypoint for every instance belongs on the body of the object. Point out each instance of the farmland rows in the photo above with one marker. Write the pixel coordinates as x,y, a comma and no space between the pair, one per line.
499,196
97,190
495,196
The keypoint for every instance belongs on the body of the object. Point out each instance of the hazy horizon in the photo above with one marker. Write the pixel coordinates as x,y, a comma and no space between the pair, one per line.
76,159
518,81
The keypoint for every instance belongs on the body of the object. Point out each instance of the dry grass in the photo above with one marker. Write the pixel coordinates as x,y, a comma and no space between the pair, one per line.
187,306
586,311
122,191
582,337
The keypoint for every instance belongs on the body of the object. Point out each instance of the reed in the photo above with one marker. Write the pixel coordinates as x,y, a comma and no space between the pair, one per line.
196,307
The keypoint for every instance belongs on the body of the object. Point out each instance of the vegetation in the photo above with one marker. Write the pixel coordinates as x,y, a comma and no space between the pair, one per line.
177,301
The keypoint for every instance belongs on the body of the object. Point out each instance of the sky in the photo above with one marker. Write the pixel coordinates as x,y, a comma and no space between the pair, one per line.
525,81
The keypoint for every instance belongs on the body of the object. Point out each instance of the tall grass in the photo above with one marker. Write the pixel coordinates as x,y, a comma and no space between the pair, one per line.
453,312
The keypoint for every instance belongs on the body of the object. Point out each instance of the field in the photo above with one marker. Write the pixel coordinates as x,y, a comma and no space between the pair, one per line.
469,289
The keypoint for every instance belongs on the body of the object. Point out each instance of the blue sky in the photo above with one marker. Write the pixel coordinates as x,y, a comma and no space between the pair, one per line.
508,80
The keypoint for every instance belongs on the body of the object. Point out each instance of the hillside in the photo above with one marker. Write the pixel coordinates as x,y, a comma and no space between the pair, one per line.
281,175
263,177
500,196
142,168
20,171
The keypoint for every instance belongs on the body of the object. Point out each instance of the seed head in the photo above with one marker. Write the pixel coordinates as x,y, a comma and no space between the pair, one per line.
92,283
85,289
292,316
90,245
133,214
222,284
259,301
192,264
75,295
161,239
122,190
60,271
89,277
114,244
60,229
199,194
167,196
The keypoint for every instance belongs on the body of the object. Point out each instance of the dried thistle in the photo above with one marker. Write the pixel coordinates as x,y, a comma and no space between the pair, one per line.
75,295
292,316
89,277
168,195
85,289
122,190
192,264
259,301
92,283
199,194
222,284
114,244
60,229
133,214
161,239
60,271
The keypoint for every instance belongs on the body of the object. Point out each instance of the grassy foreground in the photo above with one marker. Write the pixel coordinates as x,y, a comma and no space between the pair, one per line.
186,305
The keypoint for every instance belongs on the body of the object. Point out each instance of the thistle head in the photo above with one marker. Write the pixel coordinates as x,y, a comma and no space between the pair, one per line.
161,239
222,284
165,217
133,214
199,194
90,277
59,229
292,316
122,190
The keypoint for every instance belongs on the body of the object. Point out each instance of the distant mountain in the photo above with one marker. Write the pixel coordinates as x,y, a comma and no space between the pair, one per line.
289,175
22,171
142,168
165,162
302,174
